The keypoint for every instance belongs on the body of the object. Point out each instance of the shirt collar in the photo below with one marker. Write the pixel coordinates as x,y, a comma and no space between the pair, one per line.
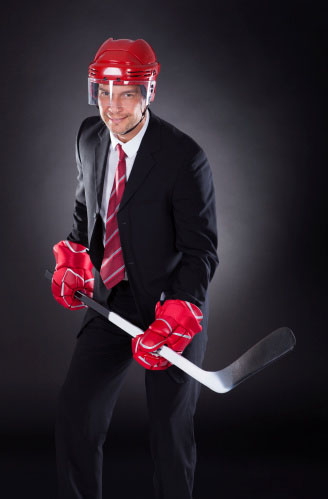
131,147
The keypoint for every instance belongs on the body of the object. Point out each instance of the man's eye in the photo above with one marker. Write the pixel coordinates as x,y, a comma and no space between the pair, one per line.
104,92
128,94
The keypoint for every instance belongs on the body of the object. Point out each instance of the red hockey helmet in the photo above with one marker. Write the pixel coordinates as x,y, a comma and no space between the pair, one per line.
124,62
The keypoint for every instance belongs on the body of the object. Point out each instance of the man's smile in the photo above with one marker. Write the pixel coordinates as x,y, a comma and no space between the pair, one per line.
116,120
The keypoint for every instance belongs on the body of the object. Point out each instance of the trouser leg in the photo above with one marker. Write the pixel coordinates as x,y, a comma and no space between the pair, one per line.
98,367
172,398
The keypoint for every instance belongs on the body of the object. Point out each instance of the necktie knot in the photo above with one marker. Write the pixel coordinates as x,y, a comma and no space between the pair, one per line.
120,152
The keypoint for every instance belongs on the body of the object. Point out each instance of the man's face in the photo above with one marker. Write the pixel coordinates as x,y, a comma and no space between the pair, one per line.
123,110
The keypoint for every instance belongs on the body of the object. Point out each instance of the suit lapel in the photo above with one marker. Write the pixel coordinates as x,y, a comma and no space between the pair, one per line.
145,160
143,163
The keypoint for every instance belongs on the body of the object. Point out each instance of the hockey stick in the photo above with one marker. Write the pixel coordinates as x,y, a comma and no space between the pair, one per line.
272,347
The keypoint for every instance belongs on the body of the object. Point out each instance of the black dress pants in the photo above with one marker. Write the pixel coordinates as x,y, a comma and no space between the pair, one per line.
85,406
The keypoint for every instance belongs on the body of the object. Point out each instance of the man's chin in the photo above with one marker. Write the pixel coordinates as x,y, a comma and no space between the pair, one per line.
118,128
122,132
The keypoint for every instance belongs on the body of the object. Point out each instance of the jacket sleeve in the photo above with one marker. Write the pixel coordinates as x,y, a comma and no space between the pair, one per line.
79,233
196,231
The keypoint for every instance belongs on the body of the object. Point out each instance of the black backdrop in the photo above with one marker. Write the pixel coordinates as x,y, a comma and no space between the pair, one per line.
246,81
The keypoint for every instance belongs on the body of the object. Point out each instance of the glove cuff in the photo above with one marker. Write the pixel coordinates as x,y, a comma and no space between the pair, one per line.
73,255
186,314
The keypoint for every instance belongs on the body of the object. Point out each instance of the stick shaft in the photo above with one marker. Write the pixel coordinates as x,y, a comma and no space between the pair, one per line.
263,353
166,352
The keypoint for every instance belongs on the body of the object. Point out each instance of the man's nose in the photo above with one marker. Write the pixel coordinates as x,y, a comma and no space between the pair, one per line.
114,104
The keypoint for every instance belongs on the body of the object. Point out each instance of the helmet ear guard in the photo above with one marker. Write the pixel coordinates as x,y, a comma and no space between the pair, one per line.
148,91
93,93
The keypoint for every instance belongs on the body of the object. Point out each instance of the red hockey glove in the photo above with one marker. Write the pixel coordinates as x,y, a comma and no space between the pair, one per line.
176,323
73,272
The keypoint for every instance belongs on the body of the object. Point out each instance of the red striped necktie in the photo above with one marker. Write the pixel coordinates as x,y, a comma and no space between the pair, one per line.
112,269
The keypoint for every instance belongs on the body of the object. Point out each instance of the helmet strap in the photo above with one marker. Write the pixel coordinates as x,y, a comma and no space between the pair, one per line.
135,126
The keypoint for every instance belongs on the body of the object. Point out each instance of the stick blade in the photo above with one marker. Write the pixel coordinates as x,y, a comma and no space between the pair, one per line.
268,350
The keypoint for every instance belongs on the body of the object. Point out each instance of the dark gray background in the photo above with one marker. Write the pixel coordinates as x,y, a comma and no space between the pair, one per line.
246,81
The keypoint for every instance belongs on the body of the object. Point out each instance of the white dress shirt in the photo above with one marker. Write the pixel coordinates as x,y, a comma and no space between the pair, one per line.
130,148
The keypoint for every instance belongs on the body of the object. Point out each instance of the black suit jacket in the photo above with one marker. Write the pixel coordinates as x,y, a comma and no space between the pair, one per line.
166,219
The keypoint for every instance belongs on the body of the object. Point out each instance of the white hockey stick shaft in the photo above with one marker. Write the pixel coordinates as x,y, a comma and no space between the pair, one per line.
263,353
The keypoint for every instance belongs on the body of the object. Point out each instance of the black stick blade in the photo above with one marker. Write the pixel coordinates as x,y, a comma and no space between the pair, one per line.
269,349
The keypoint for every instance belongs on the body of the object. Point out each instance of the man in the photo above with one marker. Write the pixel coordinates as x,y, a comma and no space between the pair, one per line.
144,244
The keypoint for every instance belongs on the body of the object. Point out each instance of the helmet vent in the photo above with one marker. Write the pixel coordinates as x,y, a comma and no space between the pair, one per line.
139,74
134,74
